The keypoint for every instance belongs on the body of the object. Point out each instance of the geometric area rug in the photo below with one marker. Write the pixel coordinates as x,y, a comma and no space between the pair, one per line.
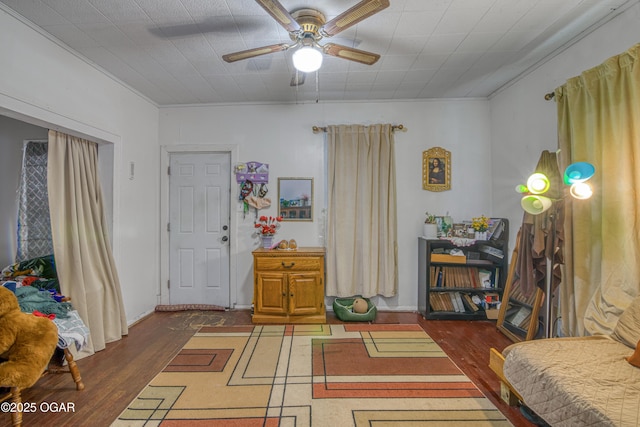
311,376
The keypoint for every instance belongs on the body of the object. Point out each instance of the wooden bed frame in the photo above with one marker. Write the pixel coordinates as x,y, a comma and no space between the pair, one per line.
507,393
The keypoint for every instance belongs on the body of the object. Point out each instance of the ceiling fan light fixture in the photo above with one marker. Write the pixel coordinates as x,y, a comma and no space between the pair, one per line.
307,59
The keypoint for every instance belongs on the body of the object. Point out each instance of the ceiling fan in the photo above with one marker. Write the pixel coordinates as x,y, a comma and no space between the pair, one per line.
307,27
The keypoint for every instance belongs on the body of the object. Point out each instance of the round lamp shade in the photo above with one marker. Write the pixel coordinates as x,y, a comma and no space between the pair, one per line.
520,188
534,204
538,183
307,59
581,190
578,172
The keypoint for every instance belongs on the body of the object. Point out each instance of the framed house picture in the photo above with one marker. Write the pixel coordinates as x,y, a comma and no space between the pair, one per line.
295,199
436,169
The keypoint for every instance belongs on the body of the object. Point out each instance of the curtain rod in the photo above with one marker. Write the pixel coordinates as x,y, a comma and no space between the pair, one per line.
549,96
317,129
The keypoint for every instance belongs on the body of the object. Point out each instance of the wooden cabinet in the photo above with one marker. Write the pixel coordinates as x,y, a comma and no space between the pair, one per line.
288,286
462,282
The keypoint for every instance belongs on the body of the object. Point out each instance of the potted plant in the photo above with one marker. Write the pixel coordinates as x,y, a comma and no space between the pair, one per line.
430,227
266,227
480,226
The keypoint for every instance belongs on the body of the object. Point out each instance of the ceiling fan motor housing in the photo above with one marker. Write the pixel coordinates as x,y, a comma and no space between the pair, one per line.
310,21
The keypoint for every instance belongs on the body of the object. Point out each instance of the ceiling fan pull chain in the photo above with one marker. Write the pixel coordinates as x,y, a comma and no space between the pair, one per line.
297,83
317,87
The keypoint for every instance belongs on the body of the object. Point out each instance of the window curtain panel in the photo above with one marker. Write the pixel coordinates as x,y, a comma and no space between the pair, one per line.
84,261
362,254
599,122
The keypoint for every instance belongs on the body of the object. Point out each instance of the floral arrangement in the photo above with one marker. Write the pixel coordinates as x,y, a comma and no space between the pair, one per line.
268,225
480,223
430,219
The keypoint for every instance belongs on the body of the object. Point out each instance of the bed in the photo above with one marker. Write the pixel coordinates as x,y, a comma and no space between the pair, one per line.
35,283
583,381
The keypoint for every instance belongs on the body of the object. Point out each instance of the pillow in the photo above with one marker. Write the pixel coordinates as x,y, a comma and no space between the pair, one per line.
634,359
627,330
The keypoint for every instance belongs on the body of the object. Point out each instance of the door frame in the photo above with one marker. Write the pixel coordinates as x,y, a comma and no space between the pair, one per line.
165,154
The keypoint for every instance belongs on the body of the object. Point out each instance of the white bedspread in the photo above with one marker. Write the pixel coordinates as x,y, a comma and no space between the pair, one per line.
576,381
72,330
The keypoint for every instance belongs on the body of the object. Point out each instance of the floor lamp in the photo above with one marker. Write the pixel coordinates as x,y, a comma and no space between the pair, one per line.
535,202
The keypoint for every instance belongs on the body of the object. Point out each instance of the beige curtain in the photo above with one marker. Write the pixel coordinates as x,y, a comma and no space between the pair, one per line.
599,122
362,250
84,260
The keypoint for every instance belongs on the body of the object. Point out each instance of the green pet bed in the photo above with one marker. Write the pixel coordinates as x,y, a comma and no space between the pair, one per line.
342,307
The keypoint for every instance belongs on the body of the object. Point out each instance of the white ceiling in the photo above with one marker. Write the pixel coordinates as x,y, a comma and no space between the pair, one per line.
428,48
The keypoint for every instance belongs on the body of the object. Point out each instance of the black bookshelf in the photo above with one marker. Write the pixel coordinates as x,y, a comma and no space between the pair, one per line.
454,286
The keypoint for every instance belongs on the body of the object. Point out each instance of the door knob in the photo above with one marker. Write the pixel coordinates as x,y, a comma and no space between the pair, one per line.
225,238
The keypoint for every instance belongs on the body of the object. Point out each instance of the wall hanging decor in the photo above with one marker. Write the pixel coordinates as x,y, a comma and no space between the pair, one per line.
295,196
436,169
252,178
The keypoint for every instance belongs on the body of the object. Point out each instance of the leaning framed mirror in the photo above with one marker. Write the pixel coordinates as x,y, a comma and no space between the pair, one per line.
520,308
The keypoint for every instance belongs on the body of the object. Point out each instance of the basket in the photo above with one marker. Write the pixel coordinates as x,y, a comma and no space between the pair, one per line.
342,309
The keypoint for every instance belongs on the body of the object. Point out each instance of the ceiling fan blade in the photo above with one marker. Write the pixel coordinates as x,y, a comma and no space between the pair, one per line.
345,52
216,25
298,78
352,16
252,53
280,14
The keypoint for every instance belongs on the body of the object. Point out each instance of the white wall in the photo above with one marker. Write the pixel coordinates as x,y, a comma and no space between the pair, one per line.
44,84
523,124
281,135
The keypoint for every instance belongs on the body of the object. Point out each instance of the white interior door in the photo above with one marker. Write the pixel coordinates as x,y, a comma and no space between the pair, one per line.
199,203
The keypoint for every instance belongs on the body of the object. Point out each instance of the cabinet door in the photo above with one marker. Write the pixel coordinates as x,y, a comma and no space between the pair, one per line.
306,294
271,293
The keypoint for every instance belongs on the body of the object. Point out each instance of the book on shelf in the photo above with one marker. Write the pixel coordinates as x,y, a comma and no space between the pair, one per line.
458,298
485,278
449,302
472,306
436,302
453,259
492,254
463,277
445,302
496,229
433,304
454,302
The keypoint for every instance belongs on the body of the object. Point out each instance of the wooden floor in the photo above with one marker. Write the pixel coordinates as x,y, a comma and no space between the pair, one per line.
114,377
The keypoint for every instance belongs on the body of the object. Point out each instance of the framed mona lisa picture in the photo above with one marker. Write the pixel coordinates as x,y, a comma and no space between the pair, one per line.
436,169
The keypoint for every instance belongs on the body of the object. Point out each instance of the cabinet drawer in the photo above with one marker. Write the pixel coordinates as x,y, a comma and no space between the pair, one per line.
288,263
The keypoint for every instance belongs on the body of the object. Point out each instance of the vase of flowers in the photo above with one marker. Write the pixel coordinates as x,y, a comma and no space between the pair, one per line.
430,227
266,227
480,226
